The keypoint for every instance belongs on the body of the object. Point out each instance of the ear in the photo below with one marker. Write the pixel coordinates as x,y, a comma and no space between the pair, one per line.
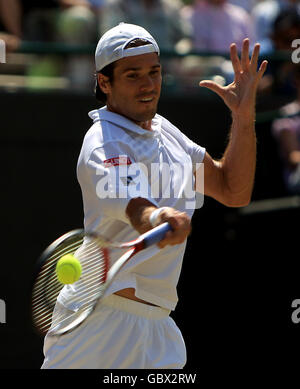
103,82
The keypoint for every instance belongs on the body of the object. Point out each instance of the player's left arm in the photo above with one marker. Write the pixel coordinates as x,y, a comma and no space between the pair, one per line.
231,179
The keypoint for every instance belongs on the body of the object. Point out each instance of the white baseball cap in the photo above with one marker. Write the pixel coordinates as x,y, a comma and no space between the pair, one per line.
112,45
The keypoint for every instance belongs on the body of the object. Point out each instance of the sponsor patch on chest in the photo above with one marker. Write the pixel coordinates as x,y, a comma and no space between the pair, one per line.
117,161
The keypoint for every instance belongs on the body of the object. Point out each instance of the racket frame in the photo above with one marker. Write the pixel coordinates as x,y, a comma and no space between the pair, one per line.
143,241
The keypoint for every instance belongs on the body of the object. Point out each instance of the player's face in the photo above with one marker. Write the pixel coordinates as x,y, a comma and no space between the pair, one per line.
136,87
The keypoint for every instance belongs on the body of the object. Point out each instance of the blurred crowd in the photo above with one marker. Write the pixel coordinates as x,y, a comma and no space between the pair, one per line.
204,24
182,26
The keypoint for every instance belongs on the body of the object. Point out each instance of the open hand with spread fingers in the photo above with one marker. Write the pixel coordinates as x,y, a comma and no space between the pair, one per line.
240,95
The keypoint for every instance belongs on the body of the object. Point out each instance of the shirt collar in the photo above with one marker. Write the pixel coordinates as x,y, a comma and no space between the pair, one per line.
103,114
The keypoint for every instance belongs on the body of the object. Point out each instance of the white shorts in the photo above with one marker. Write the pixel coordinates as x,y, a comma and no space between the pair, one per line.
119,334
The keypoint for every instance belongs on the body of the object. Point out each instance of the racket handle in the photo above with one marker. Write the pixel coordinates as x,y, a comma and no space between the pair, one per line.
156,234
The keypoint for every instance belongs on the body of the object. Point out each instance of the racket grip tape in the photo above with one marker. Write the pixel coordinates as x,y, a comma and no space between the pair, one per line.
156,234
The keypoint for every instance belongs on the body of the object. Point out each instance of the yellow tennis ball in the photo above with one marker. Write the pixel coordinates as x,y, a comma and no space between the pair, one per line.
68,269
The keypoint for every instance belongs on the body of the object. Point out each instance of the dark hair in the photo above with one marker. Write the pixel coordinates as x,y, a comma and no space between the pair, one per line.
108,70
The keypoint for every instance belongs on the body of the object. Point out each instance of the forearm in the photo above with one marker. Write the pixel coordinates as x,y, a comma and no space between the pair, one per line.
138,212
239,161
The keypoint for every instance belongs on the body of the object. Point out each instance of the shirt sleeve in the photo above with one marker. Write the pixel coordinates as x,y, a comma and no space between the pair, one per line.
195,151
115,177
197,154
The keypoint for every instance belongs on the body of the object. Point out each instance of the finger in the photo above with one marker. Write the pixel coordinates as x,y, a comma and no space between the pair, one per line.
166,241
254,58
213,86
171,238
235,59
175,237
163,217
262,68
245,54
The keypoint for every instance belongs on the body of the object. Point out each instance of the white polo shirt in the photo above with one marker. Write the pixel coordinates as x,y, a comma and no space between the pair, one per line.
118,161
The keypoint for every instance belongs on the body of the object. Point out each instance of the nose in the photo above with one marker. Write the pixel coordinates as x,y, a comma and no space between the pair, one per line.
147,84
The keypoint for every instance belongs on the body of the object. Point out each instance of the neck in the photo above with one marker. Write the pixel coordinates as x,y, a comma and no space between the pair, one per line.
146,125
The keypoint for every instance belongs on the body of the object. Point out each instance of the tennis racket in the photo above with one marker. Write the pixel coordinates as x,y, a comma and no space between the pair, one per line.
93,252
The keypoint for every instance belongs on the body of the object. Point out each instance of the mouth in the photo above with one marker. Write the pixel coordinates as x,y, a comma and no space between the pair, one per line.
146,100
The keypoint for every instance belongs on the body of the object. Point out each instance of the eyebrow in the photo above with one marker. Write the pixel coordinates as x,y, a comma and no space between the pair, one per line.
139,68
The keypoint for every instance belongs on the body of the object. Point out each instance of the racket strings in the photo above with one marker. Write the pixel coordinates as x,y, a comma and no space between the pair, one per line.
47,274
93,259
47,287
93,262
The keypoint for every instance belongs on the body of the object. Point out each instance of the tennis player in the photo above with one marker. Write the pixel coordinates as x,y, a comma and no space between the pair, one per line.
125,158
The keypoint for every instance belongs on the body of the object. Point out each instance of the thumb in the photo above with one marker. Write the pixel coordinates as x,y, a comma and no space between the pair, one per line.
212,86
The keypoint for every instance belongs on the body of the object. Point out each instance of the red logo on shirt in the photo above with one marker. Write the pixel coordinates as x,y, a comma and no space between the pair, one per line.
117,161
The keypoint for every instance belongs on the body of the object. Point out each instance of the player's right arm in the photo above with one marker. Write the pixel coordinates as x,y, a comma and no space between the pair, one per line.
139,211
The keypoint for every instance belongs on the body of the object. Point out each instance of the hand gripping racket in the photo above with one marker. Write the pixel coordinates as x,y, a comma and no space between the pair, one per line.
93,252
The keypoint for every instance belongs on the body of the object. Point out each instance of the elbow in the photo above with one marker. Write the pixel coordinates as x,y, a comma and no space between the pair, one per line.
237,200
238,204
